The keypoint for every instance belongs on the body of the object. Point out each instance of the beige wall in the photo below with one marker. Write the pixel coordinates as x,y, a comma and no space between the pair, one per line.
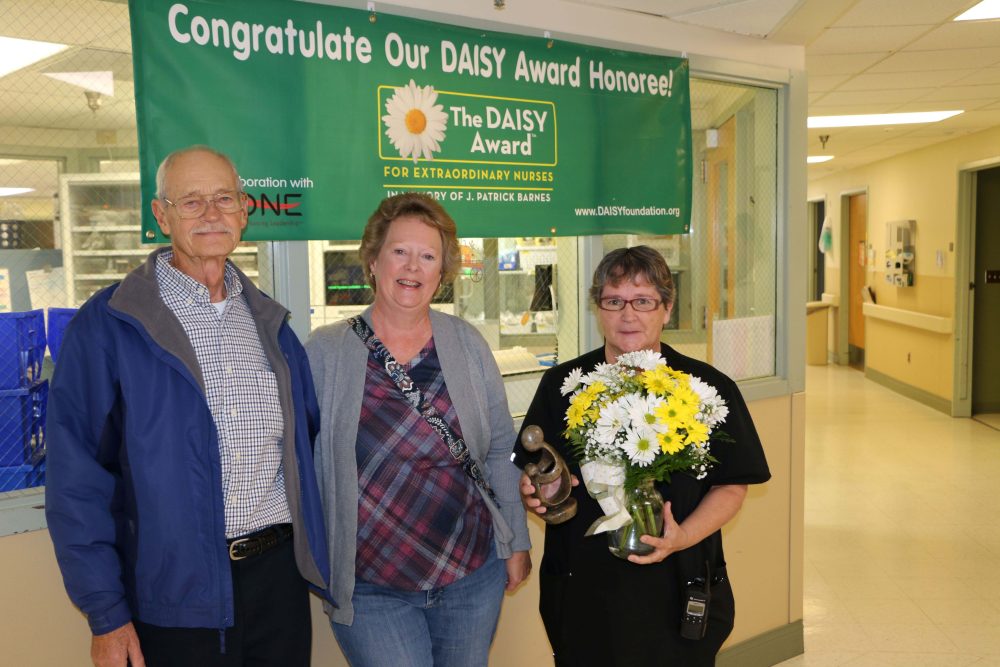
40,628
923,186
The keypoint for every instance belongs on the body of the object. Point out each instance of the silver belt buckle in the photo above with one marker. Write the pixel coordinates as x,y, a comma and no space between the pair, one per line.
232,547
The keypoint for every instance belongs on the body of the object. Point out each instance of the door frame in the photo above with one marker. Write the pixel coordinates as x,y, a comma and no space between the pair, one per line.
965,268
812,244
842,355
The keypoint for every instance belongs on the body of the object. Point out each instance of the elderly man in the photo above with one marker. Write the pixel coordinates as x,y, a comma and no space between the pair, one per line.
181,496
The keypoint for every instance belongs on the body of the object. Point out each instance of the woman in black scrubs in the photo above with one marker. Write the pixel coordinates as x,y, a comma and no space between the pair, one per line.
600,610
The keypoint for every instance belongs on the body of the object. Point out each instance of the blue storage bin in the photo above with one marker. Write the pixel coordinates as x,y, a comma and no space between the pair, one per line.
22,348
22,425
13,478
58,319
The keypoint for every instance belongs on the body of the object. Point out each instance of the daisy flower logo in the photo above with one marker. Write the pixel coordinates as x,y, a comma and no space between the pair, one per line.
414,123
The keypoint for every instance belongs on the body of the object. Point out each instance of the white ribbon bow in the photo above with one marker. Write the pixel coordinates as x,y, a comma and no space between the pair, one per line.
605,483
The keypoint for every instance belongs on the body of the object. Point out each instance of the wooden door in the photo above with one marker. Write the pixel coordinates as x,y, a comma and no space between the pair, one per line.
857,265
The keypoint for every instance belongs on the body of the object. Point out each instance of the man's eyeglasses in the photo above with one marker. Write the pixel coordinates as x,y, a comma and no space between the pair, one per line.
229,201
643,304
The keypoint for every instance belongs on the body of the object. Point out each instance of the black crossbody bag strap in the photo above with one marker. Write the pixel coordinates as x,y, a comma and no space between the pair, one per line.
411,392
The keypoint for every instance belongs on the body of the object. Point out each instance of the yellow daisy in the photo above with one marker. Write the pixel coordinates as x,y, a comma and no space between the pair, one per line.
575,414
656,381
696,432
670,443
685,396
674,412
581,402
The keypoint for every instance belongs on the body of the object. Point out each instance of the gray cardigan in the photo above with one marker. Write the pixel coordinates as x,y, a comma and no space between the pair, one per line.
338,359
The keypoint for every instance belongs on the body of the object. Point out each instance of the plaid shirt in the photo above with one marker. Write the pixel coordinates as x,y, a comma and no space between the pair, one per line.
421,522
242,396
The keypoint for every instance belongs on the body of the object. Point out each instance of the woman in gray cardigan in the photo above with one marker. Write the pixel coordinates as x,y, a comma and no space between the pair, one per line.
423,538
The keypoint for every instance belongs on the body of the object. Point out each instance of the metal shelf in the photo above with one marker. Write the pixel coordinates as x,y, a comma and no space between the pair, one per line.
105,228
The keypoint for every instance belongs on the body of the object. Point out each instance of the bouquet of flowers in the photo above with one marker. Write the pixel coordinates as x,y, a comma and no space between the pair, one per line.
634,422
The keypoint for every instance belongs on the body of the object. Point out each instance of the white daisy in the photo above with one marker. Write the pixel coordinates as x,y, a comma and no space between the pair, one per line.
640,446
647,360
612,420
640,411
571,382
414,124
603,372
713,410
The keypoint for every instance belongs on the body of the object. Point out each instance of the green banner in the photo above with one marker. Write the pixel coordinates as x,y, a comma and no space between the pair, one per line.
327,110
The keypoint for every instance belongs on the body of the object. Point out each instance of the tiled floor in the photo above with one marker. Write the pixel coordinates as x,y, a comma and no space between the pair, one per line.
902,530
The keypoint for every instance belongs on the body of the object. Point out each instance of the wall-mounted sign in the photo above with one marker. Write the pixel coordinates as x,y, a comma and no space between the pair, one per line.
326,111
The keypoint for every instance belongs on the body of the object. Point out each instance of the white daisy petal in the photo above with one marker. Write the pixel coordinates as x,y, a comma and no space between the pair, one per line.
425,141
572,381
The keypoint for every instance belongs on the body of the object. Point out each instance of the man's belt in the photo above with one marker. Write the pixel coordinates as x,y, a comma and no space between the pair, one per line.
257,543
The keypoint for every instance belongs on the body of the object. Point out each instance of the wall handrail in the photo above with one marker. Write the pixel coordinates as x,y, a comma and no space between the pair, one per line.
910,318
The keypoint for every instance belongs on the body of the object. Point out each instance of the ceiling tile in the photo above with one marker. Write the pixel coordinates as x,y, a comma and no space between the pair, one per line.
983,76
961,35
846,109
958,93
860,40
922,61
932,79
757,18
841,63
924,104
901,12
857,97
820,84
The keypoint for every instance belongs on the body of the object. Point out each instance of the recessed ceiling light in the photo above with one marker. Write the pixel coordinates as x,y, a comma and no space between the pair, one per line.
99,82
9,192
880,119
816,159
987,9
18,53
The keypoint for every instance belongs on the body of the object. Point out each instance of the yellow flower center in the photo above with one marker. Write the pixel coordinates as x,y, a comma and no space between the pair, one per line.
416,121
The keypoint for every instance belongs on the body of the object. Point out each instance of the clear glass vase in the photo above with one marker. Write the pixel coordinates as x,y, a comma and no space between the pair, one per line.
645,505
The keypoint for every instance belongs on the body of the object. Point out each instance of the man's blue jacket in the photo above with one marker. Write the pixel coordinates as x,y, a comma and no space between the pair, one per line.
134,483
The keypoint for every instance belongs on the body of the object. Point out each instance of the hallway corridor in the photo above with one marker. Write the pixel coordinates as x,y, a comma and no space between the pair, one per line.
902,530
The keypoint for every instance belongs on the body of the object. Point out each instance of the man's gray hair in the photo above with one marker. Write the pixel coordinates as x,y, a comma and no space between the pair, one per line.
161,172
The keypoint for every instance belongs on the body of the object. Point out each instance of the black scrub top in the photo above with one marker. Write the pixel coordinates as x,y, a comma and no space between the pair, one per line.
601,610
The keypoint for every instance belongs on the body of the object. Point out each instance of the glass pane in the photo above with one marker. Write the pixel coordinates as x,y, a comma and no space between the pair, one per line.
69,201
724,270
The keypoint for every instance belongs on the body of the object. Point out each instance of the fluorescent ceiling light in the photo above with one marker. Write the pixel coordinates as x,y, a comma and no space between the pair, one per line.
8,192
816,159
16,53
881,119
987,9
99,82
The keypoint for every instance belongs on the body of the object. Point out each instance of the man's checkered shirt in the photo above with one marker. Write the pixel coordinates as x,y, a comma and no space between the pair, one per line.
242,396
